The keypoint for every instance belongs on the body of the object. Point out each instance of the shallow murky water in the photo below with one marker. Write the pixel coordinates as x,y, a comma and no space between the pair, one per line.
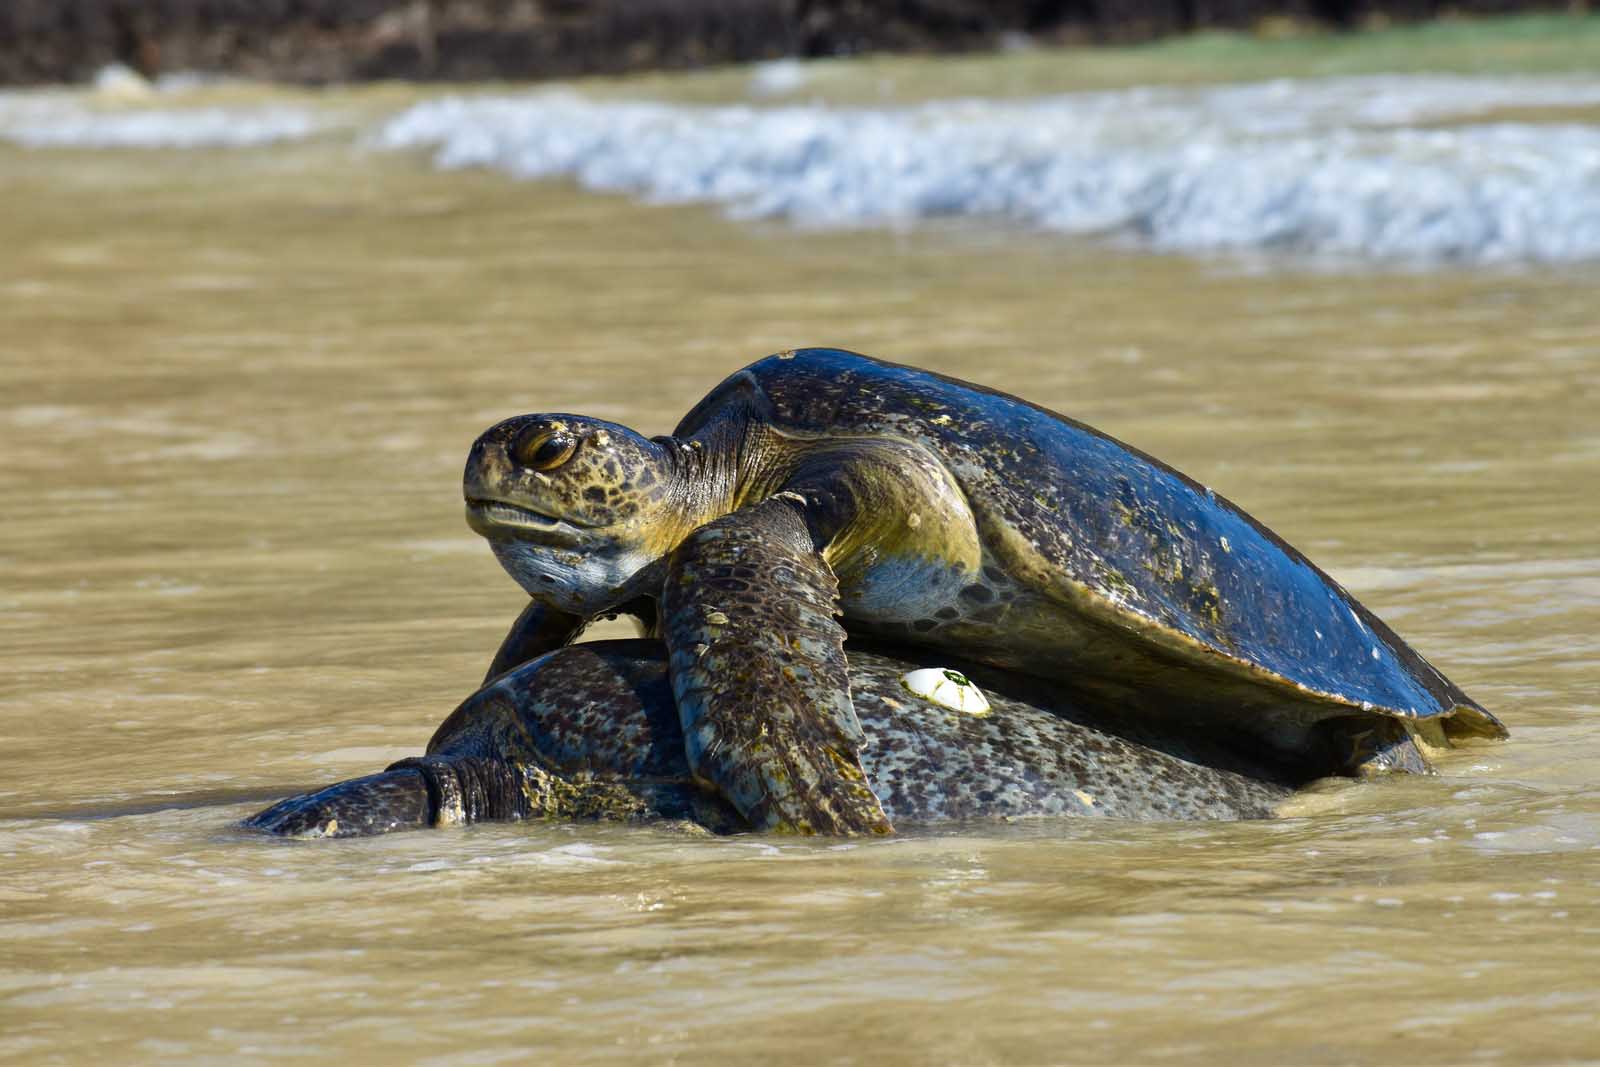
235,392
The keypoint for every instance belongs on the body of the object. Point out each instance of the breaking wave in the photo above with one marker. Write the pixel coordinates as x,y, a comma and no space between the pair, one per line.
1417,170
1387,168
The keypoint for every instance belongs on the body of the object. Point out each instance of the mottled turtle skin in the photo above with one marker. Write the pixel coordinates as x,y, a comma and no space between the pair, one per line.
592,732
939,514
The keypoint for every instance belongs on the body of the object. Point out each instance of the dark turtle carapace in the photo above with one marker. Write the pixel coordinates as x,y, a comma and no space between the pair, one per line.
941,515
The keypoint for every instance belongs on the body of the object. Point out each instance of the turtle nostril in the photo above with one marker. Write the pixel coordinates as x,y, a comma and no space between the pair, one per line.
474,474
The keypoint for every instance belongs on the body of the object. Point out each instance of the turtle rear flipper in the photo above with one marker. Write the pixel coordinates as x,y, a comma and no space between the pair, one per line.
1369,746
760,677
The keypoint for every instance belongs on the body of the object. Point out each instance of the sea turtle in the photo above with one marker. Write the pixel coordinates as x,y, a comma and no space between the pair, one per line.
592,731
929,511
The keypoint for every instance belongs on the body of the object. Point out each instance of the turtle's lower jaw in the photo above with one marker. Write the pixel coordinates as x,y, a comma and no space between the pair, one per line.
496,518
582,581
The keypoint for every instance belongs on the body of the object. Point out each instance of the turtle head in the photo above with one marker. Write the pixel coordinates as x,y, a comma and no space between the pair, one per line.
574,508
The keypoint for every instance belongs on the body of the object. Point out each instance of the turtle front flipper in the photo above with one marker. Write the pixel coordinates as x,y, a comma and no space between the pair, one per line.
411,795
444,791
759,673
539,629
359,807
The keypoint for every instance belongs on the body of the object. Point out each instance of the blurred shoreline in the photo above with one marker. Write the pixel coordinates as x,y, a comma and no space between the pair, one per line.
330,41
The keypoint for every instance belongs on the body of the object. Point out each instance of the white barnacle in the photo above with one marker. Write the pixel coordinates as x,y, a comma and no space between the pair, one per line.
946,688
716,618
1226,547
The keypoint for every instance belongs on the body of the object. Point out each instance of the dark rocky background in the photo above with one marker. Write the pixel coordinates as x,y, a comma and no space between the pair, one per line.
344,40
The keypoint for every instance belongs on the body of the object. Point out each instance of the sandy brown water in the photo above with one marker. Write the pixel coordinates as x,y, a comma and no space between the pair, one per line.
235,393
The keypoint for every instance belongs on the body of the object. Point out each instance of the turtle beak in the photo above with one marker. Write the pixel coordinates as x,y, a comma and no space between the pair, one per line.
487,467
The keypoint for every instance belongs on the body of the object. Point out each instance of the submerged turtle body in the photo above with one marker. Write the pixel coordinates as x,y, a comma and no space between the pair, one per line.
592,731
936,513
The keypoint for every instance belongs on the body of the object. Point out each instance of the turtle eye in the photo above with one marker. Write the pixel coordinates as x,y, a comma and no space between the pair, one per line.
545,449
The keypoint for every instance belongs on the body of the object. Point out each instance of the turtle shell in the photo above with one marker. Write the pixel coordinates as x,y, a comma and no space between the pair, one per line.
605,709
1192,587
591,731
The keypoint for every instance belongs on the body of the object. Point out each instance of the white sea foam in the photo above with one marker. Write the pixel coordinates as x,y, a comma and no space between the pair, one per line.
1398,169
1386,168
777,77
125,111
211,127
119,80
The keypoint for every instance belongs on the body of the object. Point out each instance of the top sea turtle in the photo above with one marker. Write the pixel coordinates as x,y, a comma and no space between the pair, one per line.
929,511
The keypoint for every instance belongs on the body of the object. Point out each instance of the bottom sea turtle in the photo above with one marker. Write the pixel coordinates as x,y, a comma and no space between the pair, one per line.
592,731
943,516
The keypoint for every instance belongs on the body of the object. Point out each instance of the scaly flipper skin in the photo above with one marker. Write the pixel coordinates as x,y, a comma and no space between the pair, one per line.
361,807
759,674
434,792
